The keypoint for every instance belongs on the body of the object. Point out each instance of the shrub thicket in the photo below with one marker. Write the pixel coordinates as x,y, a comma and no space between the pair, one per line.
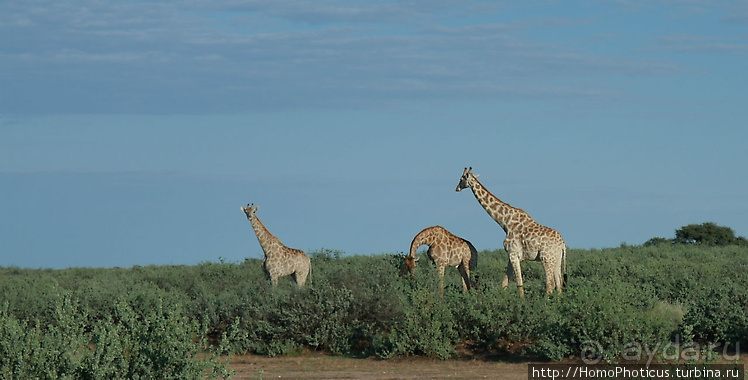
148,321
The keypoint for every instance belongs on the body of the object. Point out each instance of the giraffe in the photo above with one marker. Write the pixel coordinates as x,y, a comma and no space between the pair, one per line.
526,239
445,249
279,260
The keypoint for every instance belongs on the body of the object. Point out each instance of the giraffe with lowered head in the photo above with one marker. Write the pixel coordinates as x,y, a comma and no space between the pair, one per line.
445,249
279,260
526,239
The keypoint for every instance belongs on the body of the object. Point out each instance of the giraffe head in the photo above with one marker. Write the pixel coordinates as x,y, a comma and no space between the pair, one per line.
250,210
410,265
467,179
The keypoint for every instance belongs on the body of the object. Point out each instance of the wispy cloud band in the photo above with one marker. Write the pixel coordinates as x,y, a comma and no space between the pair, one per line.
237,56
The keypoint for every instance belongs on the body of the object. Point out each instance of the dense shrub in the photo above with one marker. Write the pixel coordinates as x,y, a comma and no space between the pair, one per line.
426,328
129,344
147,321
719,314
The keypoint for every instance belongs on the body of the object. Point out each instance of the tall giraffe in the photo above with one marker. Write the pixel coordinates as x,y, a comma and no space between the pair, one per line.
279,260
445,249
526,239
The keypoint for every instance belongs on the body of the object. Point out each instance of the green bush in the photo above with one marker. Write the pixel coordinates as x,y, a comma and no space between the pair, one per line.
143,321
32,350
427,328
153,344
719,315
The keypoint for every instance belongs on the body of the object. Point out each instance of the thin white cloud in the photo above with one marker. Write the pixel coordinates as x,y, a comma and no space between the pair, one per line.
700,44
205,57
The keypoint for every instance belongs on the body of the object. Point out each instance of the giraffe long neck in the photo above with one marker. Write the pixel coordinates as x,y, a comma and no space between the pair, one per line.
504,214
264,236
424,237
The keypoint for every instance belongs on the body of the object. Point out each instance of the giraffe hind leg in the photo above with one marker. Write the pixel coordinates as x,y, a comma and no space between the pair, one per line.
465,286
441,280
301,275
553,278
557,273
300,278
559,280
550,279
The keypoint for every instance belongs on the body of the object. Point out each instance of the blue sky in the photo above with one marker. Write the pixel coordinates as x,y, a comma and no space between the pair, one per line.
131,132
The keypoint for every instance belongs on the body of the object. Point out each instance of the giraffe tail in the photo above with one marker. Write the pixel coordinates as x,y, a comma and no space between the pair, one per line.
472,264
473,255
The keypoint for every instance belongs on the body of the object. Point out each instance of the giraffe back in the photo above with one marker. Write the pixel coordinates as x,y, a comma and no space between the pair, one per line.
445,248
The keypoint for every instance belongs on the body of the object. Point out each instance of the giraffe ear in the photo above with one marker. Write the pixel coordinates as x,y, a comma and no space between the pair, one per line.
476,175
242,208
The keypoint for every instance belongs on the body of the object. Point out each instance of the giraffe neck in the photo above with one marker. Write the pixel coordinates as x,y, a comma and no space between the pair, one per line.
424,237
504,214
264,236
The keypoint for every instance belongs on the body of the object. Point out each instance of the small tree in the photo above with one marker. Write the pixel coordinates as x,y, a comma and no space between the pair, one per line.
705,233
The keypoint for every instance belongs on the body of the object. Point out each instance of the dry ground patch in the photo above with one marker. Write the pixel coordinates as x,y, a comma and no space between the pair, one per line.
313,365
321,366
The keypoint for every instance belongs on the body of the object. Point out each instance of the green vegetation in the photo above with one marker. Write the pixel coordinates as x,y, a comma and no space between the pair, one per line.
705,233
158,321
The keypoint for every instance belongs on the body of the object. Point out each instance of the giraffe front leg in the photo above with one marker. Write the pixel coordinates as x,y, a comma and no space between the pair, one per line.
517,273
509,267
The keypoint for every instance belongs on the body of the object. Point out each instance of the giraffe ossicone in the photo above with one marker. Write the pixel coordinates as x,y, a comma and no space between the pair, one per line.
526,239
445,249
279,260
